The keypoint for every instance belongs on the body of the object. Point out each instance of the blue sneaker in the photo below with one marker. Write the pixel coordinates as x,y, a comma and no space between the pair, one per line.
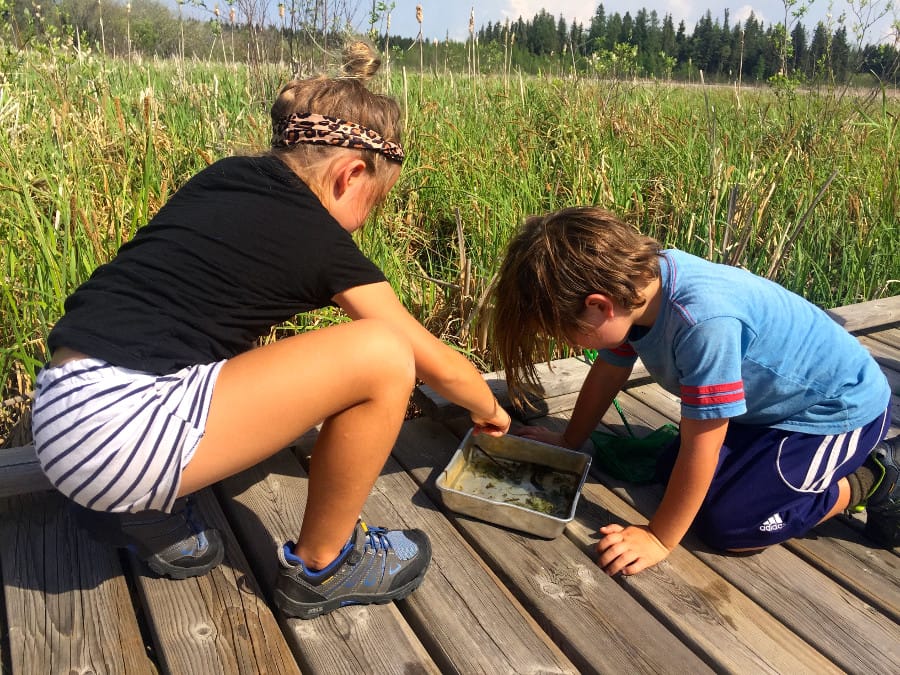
176,545
883,504
375,567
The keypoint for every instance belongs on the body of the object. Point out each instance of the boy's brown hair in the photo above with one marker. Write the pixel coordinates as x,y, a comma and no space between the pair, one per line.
551,265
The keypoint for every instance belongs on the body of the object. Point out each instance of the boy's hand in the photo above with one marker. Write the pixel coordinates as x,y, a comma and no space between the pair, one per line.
629,549
541,434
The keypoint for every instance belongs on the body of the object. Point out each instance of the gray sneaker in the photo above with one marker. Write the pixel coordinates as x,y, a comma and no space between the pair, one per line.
375,567
177,545
883,504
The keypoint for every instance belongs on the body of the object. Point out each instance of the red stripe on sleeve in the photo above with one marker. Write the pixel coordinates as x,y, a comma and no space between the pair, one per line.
713,400
624,349
712,388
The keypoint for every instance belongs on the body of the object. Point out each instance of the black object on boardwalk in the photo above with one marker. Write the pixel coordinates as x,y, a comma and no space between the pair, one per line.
493,601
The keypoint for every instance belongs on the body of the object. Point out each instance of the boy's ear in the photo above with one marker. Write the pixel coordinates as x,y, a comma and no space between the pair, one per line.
600,303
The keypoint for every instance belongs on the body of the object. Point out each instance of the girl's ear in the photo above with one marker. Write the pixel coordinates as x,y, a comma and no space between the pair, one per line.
345,174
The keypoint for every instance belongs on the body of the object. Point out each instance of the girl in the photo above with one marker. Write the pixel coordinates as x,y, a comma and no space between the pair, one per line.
154,390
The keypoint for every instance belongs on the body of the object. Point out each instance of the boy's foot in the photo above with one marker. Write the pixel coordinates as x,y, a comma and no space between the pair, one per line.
883,504
177,545
375,567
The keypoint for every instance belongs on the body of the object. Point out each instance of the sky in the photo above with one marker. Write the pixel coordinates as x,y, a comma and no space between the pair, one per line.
441,16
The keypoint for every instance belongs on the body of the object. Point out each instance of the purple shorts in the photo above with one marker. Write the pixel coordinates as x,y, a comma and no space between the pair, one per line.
771,485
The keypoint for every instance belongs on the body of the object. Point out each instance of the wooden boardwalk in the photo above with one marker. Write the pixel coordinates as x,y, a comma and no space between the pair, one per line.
493,601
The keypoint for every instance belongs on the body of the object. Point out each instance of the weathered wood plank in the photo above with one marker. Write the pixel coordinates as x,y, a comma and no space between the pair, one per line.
731,631
20,472
266,505
717,619
466,618
864,315
834,547
217,623
826,615
67,603
887,357
889,336
599,627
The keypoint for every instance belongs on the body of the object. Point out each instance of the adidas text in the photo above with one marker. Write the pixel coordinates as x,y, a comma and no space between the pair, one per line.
772,524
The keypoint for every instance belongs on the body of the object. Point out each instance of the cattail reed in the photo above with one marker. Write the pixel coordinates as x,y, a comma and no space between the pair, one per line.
420,40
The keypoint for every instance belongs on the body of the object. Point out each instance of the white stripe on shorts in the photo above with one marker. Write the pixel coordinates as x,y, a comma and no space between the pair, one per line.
114,439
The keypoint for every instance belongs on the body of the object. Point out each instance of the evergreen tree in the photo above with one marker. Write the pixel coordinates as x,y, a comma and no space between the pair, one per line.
613,31
626,32
819,57
667,42
840,55
577,38
562,33
799,48
542,38
597,30
682,45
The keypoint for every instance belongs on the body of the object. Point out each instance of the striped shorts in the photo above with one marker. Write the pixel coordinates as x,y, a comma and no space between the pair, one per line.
114,439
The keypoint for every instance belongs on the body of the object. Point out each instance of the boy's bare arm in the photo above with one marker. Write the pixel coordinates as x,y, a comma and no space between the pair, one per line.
600,387
701,441
632,549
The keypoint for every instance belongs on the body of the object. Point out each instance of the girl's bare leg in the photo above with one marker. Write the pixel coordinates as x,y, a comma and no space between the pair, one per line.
356,378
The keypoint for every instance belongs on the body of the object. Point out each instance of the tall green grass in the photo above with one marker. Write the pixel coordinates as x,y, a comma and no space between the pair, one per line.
804,188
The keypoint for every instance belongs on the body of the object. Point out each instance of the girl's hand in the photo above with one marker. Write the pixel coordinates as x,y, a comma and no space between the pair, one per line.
497,425
629,549
541,434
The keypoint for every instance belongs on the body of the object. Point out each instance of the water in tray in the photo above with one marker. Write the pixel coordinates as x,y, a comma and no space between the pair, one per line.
531,486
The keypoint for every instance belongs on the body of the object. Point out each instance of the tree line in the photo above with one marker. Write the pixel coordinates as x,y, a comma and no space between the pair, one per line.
611,44
646,45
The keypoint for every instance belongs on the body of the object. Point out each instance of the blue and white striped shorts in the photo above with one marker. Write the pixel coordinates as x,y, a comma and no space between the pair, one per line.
772,485
114,439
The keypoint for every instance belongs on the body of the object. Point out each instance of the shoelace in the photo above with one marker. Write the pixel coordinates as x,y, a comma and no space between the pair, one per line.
376,538
192,522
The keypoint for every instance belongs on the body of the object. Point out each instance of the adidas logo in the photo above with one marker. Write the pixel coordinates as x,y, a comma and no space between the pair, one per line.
772,524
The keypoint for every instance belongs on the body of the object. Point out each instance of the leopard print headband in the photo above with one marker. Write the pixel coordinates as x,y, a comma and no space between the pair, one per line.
324,130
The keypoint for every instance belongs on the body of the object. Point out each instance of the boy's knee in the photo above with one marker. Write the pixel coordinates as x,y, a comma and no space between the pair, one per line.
725,534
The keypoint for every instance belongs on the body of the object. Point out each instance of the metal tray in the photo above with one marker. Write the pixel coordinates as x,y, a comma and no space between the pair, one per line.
519,449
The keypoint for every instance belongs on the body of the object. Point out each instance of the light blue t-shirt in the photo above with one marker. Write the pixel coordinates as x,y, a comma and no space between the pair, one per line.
733,345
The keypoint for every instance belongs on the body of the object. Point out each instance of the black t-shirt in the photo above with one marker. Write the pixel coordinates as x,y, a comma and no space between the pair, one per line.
243,246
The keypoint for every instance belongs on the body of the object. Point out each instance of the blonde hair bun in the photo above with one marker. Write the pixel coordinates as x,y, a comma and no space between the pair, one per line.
361,61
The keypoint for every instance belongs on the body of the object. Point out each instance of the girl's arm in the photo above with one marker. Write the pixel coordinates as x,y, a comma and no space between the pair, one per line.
445,370
631,549
600,387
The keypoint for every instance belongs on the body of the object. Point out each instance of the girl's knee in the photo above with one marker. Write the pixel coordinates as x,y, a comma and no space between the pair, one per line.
387,350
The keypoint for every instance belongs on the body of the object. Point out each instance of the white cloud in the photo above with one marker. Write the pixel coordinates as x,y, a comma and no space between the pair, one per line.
742,13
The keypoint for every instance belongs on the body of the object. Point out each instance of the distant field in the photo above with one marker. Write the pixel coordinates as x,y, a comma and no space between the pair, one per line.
803,187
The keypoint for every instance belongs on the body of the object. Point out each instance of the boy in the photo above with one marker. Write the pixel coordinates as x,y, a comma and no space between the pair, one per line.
782,411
